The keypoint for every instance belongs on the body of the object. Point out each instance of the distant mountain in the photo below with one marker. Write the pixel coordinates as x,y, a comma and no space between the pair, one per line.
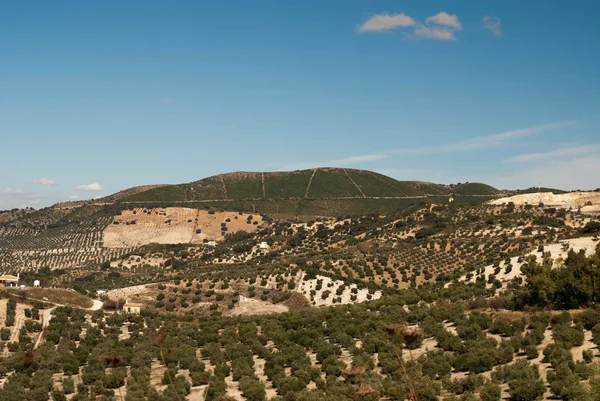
534,190
319,183
315,192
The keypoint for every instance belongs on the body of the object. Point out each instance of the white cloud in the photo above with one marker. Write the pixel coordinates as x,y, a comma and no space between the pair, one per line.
489,141
89,187
168,100
555,154
435,33
445,19
74,197
44,181
492,24
440,26
348,161
386,22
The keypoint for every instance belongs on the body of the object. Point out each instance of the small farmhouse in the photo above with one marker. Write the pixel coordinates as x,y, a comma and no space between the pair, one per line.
7,280
133,308
264,245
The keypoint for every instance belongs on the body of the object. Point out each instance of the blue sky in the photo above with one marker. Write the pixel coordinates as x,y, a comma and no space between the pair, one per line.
100,96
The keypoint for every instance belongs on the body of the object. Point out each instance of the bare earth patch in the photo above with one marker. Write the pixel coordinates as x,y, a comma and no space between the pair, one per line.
568,200
249,306
173,225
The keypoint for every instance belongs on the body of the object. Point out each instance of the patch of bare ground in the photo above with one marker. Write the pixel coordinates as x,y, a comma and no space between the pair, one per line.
197,393
3,303
568,200
57,296
428,344
557,251
259,370
233,389
588,345
323,291
174,225
250,306
128,292
157,371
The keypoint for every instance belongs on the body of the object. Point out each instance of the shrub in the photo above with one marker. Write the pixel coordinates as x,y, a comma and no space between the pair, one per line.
531,351
252,389
526,389
490,392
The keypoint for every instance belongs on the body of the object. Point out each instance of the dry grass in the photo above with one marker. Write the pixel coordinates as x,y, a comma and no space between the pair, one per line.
53,295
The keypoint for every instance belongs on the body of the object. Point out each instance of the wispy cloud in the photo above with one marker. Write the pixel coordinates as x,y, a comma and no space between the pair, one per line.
348,161
489,141
492,24
556,154
440,26
445,19
89,187
385,22
44,181
168,100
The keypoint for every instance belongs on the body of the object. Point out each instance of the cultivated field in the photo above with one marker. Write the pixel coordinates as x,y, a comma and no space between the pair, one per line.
174,225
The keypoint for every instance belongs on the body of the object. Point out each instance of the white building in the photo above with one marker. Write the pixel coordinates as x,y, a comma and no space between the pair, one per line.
7,280
36,283
133,308
101,292
264,245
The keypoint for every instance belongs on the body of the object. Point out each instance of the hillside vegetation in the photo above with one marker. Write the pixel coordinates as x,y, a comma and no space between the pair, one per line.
311,193
423,299
320,183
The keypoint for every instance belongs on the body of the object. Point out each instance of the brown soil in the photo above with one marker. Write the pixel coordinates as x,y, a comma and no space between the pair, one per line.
173,225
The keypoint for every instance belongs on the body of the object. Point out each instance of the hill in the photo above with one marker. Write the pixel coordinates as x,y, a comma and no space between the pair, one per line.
319,183
75,234
534,190
305,193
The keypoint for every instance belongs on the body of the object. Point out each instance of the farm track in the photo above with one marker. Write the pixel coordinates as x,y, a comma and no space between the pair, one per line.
385,182
310,182
354,183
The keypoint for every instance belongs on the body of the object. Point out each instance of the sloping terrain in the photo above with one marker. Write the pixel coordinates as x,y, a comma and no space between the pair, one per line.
319,183
174,225
430,298
82,233
586,201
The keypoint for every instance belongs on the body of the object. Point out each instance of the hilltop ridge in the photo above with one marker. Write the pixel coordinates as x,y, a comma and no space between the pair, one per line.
317,183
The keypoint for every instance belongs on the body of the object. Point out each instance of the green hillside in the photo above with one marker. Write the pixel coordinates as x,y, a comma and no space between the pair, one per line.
474,188
321,183
534,190
314,192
